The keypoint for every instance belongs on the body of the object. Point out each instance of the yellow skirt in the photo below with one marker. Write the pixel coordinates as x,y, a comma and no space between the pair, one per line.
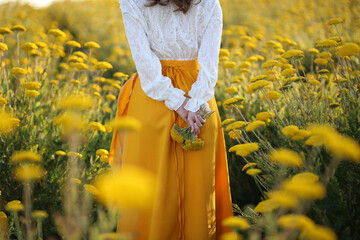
192,194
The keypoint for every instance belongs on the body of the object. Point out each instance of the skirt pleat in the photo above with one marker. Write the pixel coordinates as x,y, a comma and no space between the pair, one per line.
192,194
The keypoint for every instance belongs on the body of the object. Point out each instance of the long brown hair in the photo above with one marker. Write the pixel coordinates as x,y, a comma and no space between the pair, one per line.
183,5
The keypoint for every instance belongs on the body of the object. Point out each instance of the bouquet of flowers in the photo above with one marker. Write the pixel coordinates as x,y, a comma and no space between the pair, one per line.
186,137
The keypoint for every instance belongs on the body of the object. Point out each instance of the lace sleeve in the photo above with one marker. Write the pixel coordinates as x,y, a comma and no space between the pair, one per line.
148,65
202,89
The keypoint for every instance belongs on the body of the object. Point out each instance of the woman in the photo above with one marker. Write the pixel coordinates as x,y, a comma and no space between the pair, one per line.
175,46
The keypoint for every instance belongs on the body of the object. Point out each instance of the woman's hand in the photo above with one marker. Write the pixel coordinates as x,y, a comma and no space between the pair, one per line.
195,122
183,113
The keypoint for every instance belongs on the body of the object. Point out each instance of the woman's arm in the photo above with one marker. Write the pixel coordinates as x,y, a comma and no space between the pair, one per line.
202,89
148,65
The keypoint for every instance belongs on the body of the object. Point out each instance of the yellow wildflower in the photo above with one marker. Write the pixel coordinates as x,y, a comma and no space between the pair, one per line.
284,199
28,172
21,156
300,135
102,152
289,130
313,50
317,232
32,93
236,222
229,64
81,66
3,222
2,101
91,44
245,64
254,125
253,171
31,85
286,157
288,72
257,78
7,122
175,135
293,53
74,154
271,95
243,70
303,188
39,214
60,153
266,206
326,43
103,66
126,123
70,122
91,189
235,125
349,49
18,71
231,236
108,128
96,126
321,61
137,188
264,116
270,64
3,47
244,149
224,52
234,134
57,33
73,44
334,21
110,97
77,102
193,146
5,30
341,146
29,46
295,221
232,102
19,28
14,206
231,90
246,166
104,159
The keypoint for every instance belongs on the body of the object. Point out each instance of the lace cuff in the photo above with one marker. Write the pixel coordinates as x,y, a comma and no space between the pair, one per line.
194,104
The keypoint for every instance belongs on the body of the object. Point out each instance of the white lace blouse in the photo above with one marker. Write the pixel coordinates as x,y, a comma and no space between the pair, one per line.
157,32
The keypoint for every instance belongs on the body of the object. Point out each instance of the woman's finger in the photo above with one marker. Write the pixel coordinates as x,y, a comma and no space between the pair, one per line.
198,121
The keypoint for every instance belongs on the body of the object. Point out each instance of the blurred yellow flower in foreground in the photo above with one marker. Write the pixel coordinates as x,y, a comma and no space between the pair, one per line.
349,49
266,206
253,171
70,122
14,206
236,222
294,221
7,122
131,188
341,146
231,236
18,71
3,221
28,172
91,44
317,232
22,156
284,199
304,187
77,102
126,123
246,166
286,157
235,125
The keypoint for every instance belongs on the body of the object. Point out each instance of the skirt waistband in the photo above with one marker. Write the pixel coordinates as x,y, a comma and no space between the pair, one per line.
183,64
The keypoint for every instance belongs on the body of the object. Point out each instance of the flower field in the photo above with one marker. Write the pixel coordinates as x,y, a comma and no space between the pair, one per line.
288,96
